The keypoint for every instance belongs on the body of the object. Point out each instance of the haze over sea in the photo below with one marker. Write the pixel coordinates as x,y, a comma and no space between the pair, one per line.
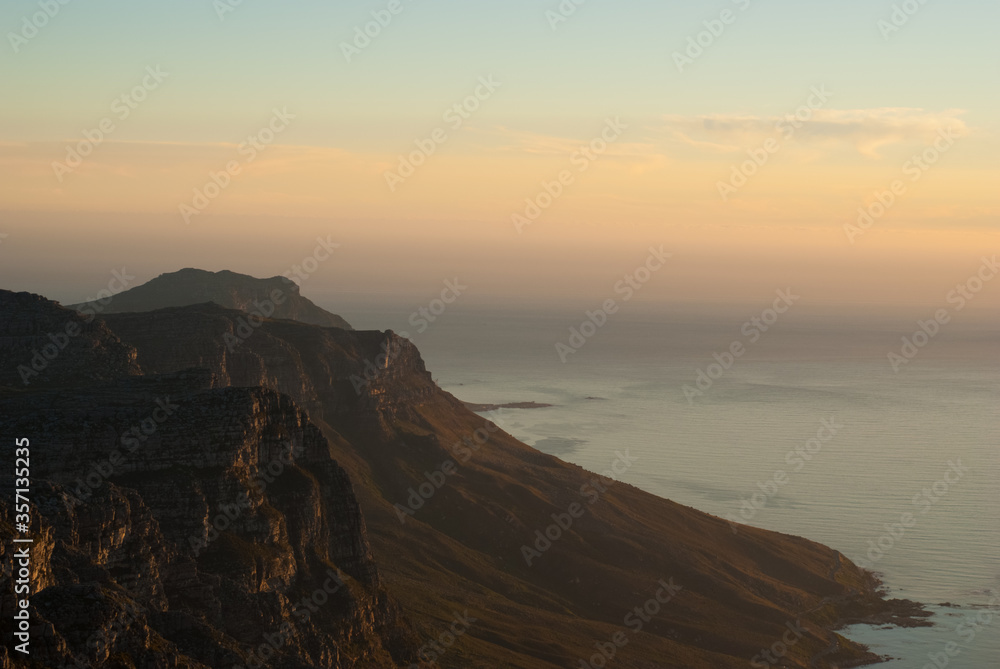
898,434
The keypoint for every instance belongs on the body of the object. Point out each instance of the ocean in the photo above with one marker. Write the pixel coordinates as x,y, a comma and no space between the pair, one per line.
809,431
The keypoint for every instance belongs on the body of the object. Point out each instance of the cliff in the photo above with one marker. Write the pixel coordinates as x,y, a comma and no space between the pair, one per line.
181,523
464,518
42,344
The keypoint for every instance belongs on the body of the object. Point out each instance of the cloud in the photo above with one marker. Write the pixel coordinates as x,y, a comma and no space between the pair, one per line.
863,130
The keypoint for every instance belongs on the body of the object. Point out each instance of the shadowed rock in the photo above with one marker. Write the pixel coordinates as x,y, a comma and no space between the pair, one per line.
179,523
43,344
225,288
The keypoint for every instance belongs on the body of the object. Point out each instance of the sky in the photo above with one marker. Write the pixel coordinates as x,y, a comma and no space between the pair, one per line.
741,136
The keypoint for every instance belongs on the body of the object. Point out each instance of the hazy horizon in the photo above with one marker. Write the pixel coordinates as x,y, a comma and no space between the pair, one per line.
898,272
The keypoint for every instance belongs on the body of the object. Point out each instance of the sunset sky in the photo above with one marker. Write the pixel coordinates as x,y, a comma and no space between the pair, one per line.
347,116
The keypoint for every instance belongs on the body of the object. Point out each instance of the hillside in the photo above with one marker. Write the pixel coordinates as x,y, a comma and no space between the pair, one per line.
277,297
467,547
178,523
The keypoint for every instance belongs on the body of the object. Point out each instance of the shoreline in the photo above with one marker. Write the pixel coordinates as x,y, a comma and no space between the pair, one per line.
479,408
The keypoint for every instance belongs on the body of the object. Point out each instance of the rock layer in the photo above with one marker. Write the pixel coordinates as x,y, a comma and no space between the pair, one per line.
180,523
42,344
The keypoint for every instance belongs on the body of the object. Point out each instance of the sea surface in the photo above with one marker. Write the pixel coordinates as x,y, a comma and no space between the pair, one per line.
813,402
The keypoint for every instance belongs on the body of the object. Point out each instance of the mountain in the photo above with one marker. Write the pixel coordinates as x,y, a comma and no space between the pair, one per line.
178,523
459,544
277,297
42,344
481,502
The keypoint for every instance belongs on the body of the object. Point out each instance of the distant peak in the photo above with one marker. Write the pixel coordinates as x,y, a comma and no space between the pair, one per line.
232,290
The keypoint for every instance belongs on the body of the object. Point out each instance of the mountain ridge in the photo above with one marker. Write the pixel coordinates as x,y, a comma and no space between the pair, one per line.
395,430
547,563
275,297
179,522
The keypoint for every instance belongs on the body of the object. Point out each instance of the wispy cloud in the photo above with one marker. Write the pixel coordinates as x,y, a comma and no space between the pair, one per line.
864,130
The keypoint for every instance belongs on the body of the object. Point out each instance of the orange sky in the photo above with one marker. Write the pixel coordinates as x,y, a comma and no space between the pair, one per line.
820,122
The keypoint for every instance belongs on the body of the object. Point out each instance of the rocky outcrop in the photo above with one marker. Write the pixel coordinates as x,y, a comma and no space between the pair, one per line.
277,297
332,373
178,523
42,344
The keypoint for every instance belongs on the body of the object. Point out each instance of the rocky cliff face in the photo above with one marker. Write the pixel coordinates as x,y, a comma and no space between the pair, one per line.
277,297
455,507
181,523
331,373
42,345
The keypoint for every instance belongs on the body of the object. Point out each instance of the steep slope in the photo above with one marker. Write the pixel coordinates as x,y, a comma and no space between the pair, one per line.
177,523
276,297
458,512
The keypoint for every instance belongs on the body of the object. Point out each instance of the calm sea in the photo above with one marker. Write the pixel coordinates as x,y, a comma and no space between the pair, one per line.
900,471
